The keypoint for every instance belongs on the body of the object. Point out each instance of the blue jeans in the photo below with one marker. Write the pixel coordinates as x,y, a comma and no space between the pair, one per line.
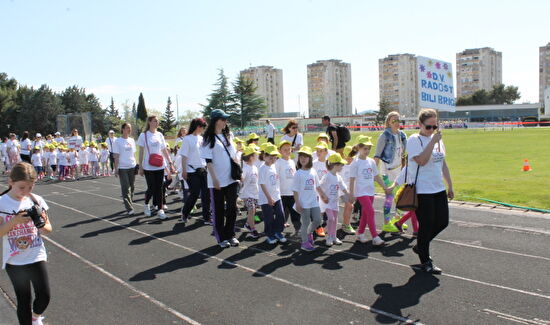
274,218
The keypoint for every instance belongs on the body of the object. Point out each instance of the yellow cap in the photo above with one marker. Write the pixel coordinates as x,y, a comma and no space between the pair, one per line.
366,140
323,135
264,145
282,143
336,159
255,146
253,136
347,150
272,150
306,150
248,150
321,145
237,140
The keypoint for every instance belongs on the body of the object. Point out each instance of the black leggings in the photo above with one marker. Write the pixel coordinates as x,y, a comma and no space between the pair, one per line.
225,204
155,188
198,185
288,202
433,217
21,277
25,158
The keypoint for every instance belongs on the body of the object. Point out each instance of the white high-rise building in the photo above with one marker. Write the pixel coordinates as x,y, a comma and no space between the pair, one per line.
477,69
269,83
544,71
398,83
329,88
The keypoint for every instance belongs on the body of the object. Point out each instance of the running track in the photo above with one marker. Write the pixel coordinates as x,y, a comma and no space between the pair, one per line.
108,268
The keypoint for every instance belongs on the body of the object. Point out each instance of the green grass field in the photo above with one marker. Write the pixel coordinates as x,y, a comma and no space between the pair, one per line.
488,164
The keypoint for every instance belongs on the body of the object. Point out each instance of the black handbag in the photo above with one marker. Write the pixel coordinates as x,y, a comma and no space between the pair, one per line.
236,169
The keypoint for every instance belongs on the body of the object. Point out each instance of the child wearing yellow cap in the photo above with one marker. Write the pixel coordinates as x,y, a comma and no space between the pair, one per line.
349,155
104,160
36,160
249,189
286,168
363,173
320,167
333,185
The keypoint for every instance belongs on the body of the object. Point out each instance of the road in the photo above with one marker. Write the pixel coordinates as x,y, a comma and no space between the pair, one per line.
108,268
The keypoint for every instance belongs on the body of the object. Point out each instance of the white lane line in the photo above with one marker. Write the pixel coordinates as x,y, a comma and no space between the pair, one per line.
436,239
124,283
8,298
516,318
478,224
253,271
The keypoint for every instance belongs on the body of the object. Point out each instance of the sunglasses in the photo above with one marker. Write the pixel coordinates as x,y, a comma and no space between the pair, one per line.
294,127
395,121
429,127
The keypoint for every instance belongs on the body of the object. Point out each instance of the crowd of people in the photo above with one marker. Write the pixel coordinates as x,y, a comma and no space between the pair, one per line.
285,184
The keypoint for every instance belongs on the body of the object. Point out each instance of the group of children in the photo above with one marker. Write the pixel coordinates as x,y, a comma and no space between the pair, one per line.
57,161
308,186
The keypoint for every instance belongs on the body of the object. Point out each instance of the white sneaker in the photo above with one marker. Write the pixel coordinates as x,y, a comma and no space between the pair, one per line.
377,241
37,321
337,241
225,244
165,207
362,238
131,212
329,241
147,210
234,242
161,215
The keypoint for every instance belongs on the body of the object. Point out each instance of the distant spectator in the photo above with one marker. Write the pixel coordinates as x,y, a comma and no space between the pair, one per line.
332,130
270,131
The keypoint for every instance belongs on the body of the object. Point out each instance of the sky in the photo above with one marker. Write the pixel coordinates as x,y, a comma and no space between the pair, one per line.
175,48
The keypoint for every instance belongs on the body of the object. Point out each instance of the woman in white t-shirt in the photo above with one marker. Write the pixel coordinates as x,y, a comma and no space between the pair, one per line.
194,170
427,156
181,135
13,148
75,141
124,149
153,146
292,135
390,149
218,151
23,252
26,147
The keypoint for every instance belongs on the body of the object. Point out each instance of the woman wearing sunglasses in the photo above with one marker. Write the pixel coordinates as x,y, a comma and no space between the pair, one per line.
390,149
427,156
292,135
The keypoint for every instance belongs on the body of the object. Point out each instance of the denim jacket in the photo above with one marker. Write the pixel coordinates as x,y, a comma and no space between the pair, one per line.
385,150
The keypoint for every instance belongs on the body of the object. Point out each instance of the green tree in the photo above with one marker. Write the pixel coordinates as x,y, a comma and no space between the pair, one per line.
384,109
188,115
75,100
220,98
113,121
500,94
141,110
112,111
39,110
8,105
245,105
167,122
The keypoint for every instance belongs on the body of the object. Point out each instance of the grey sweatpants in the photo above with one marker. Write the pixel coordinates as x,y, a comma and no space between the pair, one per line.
311,219
127,178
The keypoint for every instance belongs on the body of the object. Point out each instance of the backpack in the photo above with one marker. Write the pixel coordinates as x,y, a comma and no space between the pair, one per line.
343,133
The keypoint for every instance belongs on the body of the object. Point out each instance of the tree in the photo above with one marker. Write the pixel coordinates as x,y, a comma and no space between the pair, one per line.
220,98
75,100
167,122
113,120
8,106
188,115
112,111
384,109
39,110
245,105
141,110
500,94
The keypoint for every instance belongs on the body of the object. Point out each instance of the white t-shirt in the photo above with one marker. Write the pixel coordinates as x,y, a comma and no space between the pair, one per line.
249,186
110,142
83,156
4,149
92,154
190,148
12,146
62,158
104,155
320,167
25,145
126,149
270,130
156,144
39,143
75,142
330,153
269,178
333,186
305,183
58,140
72,158
286,170
364,172
220,160
23,244
52,158
36,159
299,139
430,176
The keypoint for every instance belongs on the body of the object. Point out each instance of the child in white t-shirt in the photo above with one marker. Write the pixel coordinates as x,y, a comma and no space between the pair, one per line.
307,191
72,157
333,186
36,160
104,160
270,197
63,165
52,161
286,168
320,167
93,159
249,189
349,154
363,173
24,254
83,160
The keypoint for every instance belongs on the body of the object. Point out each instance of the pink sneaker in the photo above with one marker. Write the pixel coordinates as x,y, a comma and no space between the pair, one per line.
307,246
